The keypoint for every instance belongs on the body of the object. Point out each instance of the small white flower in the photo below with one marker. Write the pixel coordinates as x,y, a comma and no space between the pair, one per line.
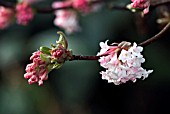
104,47
124,55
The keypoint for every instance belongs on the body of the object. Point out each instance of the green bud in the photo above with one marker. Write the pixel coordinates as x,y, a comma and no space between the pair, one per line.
62,39
57,66
53,46
45,50
45,57
53,60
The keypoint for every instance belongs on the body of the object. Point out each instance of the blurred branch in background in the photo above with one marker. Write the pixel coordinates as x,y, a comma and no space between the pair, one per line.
157,36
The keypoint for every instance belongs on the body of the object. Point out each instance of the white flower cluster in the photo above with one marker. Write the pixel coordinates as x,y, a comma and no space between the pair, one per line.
123,65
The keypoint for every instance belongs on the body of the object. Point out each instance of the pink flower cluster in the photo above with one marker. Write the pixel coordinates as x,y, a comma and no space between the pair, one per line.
46,60
6,15
122,63
142,4
67,19
24,13
37,71
60,53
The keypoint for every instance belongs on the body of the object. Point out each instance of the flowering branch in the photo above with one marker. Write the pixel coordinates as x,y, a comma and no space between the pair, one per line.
51,9
45,10
145,43
122,61
157,36
23,12
112,6
81,57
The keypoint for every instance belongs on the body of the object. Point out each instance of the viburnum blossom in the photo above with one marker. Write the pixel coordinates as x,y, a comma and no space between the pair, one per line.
47,59
141,4
60,54
24,13
6,15
67,20
37,71
122,62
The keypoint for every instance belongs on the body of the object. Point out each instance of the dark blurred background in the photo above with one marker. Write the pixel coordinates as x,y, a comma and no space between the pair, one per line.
77,87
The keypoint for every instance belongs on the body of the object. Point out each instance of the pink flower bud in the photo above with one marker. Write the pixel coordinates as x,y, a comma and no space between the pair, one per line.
27,75
35,55
33,79
37,71
57,53
40,82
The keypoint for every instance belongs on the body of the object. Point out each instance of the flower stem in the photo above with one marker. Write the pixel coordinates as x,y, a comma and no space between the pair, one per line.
81,57
50,10
145,43
157,36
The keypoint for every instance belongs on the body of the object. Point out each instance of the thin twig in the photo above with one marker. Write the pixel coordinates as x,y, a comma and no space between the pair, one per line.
50,10
145,43
80,57
157,36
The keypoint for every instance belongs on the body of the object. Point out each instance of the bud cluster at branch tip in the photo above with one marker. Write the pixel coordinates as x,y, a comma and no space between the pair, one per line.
46,59
122,62
138,5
